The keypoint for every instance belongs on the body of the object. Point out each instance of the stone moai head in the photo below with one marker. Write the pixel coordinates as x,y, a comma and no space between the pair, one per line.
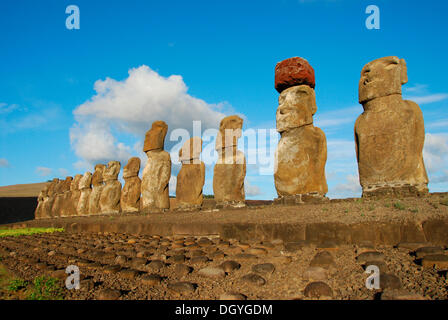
230,130
155,137
132,168
67,184
75,183
97,177
296,108
112,170
191,150
382,77
52,187
86,181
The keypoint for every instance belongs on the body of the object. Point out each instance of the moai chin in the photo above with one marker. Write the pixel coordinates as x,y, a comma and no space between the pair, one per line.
130,195
191,177
389,134
97,188
75,194
301,153
85,187
157,172
111,193
230,169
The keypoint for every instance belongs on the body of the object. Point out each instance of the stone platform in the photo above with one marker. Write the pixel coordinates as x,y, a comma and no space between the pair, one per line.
347,221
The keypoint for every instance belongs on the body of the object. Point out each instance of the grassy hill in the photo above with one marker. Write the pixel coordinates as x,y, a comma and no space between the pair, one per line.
22,190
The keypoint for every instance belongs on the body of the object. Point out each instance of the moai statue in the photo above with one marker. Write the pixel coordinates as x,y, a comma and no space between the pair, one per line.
66,197
230,169
97,188
110,196
389,134
85,187
56,209
49,200
130,195
75,194
191,177
157,172
301,153
43,195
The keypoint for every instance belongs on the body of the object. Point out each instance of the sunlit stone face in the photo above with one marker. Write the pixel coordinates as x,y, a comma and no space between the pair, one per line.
382,77
297,106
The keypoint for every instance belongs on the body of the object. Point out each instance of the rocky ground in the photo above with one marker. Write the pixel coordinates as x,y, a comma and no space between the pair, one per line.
121,266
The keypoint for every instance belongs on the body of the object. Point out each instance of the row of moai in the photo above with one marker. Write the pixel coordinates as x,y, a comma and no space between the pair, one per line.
101,192
389,138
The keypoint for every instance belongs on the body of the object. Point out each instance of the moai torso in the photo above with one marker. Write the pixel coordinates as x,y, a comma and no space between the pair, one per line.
111,193
49,200
97,188
38,213
230,169
390,134
85,188
75,193
191,177
157,172
130,195
58,199
66,197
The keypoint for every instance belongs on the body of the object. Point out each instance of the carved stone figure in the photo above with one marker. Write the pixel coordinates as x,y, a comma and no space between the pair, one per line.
111,193
85,187
97,188
130,195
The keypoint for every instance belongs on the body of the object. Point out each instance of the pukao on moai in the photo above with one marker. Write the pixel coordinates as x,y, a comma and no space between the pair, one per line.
75,194
43,195
66,197
157,172
130,195
389,134
191,177
97,188
230,169
301,153
111,193
85,187
49,200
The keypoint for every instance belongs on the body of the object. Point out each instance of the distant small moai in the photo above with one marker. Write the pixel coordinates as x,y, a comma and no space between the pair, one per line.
97,188
75,194
191,177
49,200
43,195
66,197
301,154
56,209
389,134
130,195
157,172
111,193
85,187
230,169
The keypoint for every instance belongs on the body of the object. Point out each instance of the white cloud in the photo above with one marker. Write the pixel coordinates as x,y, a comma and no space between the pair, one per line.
251,190
349,188
435,152
4,163
428,99
338,117
416,88
43,171
110,124
7,108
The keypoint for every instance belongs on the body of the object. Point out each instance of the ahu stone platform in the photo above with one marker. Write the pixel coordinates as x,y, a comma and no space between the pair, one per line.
343,221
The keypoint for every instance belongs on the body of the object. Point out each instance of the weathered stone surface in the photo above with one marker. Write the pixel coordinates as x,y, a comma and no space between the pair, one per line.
370,256
157,172
97,188
43,195
389,281
229,266
438,261
151,279
400,294
232,296
58,198
210,272
390,133
130,195
182,287
230,169
111,193
254,279
301,154
182,269
108,294
191,177
263,268
75,193
294,71
424,251
84,187
49,200
315,273
318,289
322,259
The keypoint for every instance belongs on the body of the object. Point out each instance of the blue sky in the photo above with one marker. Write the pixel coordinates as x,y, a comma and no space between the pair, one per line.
71,98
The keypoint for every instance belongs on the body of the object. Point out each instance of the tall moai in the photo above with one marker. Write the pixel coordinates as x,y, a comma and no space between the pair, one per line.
130,195
191,177
389,134
58,199
85,187
75,194
66,197
230,169
157,172
43,195
49,200
301,154
97,188
111,193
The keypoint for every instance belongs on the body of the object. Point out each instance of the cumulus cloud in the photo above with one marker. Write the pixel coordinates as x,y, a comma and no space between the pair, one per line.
350,187
4,163
113,121
251,190
435,152
44,171
7,108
